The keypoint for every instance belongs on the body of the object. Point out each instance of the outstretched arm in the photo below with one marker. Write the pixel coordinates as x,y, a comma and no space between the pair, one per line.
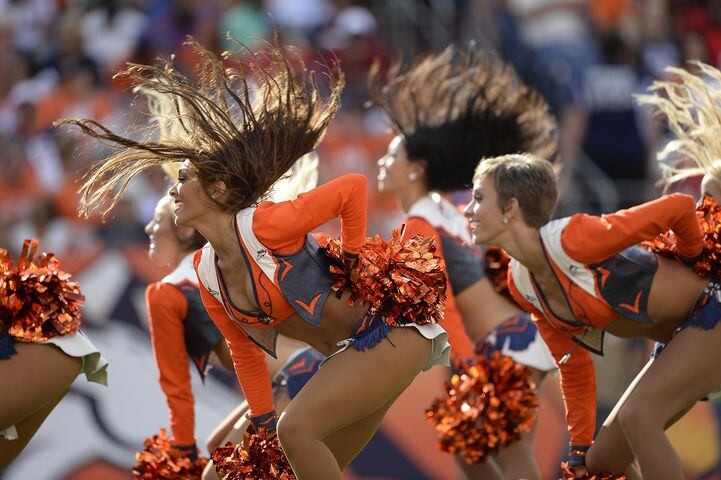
591,239
167,308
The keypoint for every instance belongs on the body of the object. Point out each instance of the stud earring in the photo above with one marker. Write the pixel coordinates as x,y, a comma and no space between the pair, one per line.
413,176
505,220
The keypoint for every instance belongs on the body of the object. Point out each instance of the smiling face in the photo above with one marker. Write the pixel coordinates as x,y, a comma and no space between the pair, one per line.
191,200
484,215
395,170
164,247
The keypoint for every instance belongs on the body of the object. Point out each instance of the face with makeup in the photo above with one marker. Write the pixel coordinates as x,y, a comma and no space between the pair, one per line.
164,247
485,217
191,200
395,171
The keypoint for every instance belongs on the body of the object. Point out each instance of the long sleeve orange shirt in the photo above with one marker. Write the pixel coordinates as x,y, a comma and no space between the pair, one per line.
590,240
167,309
282,228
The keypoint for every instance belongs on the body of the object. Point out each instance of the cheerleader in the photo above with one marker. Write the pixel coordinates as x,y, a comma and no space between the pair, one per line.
262,274
465,107
42,350
180,328
582,276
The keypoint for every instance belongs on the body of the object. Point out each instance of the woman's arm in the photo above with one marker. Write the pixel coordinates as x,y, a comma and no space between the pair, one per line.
577,375
167,308
248,359
590,239
282,226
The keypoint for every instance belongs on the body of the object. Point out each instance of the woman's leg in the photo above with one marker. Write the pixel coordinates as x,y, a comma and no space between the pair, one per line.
9,449
350,387
611,452
518,460
687,370
36,375
348,442
488,470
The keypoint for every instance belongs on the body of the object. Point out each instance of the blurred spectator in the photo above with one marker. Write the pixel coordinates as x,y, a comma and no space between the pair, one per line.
351,38
558,34
244,22
111,31
613,129
658,47
300,18
54,233
31,20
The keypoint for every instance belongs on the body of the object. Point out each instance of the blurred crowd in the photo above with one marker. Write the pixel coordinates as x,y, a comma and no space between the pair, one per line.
587,58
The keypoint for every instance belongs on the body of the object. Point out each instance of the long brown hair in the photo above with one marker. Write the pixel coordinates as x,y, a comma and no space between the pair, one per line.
243,120
456,107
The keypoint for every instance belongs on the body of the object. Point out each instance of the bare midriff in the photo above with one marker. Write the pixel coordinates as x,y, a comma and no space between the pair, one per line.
337,322
674,292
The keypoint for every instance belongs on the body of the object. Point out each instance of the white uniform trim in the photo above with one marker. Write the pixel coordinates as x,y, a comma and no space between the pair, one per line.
522,281
536,355
440,347
577,272
206,272
441,213
551,234
258,252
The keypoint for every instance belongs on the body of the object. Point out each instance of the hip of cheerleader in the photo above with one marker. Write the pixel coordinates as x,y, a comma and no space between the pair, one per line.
673,295
338,322
370,331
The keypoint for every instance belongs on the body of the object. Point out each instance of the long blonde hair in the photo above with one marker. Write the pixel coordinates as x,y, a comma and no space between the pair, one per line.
692,106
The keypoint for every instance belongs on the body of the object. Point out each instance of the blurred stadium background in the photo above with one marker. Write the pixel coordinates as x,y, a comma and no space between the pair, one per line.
57,59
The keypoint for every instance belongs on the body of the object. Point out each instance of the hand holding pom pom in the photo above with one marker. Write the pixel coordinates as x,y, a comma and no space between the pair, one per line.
402,281
161,461
487,407
708,263
258,457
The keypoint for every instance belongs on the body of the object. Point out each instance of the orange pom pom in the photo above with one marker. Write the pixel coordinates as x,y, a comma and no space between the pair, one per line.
37,299
487,406
708,263
401,281
497,264
258,457
161,461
